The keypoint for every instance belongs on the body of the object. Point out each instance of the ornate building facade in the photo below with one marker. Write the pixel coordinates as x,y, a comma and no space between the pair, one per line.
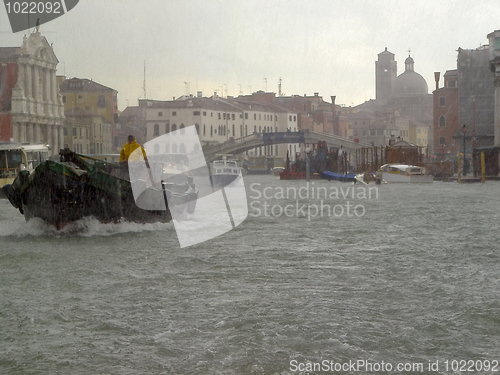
31,110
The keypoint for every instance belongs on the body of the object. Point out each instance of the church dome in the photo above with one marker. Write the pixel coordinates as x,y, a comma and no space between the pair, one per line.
410,83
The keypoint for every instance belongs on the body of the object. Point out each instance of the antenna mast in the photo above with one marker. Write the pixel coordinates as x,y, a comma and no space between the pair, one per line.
144,82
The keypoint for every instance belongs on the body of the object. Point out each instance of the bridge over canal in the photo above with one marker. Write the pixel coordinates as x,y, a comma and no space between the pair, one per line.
239,145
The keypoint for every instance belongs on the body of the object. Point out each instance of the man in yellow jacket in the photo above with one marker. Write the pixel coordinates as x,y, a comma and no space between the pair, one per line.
129,147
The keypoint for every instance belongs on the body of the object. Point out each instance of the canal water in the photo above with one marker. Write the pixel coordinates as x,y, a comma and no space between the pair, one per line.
320,278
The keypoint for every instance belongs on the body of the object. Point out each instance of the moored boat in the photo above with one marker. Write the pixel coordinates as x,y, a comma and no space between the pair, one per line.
15,157
405,173
344,177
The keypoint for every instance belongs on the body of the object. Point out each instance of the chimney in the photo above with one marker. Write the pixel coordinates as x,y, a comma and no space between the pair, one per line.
436,78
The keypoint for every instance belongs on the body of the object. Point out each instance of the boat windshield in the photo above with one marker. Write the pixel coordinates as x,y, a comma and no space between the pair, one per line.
10,160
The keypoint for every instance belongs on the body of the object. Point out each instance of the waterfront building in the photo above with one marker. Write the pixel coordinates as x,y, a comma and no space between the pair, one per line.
98,103
476,97
31,110
87,133
445,116
216,119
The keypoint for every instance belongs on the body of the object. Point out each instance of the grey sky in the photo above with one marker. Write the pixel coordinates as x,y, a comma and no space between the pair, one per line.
325,46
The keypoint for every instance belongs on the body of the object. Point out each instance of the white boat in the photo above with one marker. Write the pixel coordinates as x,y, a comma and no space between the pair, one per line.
405,173
15,157
223,172
276,171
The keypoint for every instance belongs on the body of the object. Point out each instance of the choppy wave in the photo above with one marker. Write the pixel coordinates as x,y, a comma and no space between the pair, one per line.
86,227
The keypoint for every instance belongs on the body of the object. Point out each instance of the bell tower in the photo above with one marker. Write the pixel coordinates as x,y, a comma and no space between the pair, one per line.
386,70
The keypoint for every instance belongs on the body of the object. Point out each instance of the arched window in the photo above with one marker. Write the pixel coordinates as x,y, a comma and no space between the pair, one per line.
442,121
156,131
174,148
157,148
182,148
167,128
181,128
174,128
197,128
167,148
233,131
246,129
204,130
211,130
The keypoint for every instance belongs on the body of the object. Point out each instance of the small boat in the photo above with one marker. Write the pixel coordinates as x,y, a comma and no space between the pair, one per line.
223,172
177,181
344,177
77,186
404,173
276,171
368,178
15,157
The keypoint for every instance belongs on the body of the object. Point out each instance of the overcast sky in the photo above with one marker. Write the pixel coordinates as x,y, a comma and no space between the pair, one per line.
325,46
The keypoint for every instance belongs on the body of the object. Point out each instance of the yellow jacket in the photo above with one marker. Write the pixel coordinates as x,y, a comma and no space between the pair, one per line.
127,150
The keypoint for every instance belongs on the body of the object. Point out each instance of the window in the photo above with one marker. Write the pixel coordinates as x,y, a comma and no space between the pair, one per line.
204,113
181,128
65,131
232,116
64,99
102,101
204,130
174,127
255,116
167,128
174,113
233,131
442,121
160,114
74,132
80,99
182,148
246,116
211,130
442,101
442,141
452,83
219,115
156,131
196,113
197,128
